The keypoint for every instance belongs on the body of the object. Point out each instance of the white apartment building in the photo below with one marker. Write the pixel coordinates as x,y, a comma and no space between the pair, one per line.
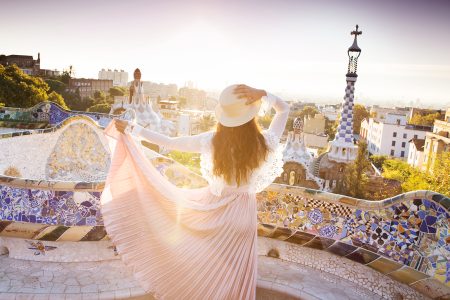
119,78
391,135
380,113
330,111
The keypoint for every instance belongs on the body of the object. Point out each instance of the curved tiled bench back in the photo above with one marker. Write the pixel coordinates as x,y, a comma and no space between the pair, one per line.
44,114
74,149
406,236
410,231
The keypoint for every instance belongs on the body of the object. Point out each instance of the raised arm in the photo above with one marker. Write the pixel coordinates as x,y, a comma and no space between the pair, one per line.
279,121
184,143
268,101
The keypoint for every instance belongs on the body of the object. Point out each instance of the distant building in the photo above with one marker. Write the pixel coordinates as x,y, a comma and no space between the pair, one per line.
28,65
159,90
436,142
415,154
169,109
87,87
380,113
119,78
297,106
297,160
391,134
314,125
195,98
314,131
330,111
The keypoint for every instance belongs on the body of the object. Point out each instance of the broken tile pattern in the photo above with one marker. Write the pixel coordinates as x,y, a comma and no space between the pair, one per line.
277,279
300,281
46,113
88,280
78,155
74,150
50,207
342,268
413,232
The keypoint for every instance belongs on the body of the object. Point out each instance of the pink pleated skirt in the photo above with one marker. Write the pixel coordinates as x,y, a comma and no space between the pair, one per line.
179,243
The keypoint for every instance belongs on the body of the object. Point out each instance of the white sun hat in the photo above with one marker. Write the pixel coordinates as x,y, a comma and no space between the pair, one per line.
232,111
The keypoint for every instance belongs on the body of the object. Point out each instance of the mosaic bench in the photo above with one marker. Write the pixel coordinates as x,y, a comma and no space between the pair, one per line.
405,237
46,114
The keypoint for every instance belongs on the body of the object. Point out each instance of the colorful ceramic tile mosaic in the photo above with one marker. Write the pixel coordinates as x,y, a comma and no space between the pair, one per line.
413,232
85,160
46,113
49,207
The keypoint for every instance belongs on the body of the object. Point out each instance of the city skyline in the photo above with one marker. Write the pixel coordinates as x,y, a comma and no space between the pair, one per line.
294,48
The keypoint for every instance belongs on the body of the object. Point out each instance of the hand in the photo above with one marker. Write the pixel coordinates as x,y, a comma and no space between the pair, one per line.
121,125
251,94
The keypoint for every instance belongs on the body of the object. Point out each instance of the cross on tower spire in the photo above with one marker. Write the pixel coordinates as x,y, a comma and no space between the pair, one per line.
356,32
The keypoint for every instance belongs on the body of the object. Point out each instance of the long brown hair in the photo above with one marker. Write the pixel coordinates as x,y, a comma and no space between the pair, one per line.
237,151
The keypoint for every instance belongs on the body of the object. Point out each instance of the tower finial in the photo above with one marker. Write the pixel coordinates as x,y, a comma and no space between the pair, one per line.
356,32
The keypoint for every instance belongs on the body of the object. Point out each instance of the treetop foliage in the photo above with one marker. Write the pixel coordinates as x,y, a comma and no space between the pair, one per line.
412,179
18,89
425,120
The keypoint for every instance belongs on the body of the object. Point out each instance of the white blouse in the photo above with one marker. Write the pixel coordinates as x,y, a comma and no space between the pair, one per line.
260,178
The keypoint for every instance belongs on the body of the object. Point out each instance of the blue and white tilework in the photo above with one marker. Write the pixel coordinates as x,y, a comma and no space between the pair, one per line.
49,207
345,128
414,232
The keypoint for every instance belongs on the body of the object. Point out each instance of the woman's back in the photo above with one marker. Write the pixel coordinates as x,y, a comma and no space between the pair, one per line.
191,243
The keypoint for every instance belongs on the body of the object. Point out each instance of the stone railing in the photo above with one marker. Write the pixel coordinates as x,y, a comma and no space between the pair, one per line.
45,114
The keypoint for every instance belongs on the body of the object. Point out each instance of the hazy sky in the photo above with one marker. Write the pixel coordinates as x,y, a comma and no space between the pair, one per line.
295,48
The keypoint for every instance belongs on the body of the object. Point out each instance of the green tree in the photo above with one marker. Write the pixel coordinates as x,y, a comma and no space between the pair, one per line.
307,110
330,128
378,160
356,179
56,86
206,122
190,160
80,104
439,178
425,120
100,107
65,76
72,100
18,89
359,114
397,169
99,96
116,91
412,179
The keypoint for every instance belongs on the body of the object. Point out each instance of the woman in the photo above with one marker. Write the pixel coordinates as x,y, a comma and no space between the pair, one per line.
195,243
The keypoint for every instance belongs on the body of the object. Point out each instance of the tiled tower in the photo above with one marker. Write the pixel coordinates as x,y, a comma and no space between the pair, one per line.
342,147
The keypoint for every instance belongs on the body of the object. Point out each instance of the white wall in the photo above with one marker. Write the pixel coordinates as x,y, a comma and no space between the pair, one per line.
381,135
